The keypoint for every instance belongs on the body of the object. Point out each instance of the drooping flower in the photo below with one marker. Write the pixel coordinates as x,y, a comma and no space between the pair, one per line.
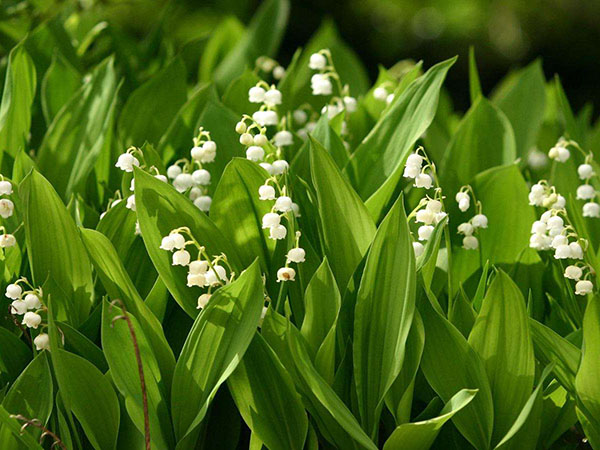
286,274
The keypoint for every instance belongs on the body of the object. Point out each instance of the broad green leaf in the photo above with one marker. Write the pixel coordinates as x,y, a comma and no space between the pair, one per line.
79,344
55,249
524,432
77,134
236,95
552,348
118,285
60,83
383,315
17,99
399,397
483,139
345,222
474,83
522,97
322,301
151,107
267,399
262,38
214,347
450,364
586,381
160,209
238,191
381,154
118,348
501,337
14,356
420,435
31,396
223,40
118,225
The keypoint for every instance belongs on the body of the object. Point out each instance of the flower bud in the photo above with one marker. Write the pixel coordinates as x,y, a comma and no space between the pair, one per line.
246,139
278,72
286,274
350,104
380,93
300,116
197,153
240,127
321,85
261,140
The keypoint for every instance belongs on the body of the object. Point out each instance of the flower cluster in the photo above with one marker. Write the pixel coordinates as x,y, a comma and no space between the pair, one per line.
204,271
554,232
586,191
414,169
560,152
478,221
382,93
260,149
28,303
269,97
7,208
283,204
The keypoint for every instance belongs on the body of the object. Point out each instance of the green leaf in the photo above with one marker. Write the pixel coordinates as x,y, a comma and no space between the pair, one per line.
236,95
31,396
383,315
323,300
586,382
77,134
160,209
267,399
78,343
14,356
26,440
55,249
238,191
450,364
60,83
474,83
118,285
420,435
552,348
151,107
223,40
213,349
381,154
17,99
483,139
262,38
346,225
522,97
118,347
501,338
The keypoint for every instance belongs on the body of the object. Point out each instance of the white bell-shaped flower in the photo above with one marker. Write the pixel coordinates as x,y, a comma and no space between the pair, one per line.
183,182
267,166
576,250
32,301
14,291
296,209
296,255
583,287
470,243
261,140
256,94
283,138
559,240
317,61
559,203
18,307
6,208
573,272
273,97
216,275
127,162
350,104
538,227
181,258
283,204
198,266
424,232
466,229
196,279
562,252
286,274
555,222
5,187
425,216
203,301
270,220
559,153
321,85
418,248
277,232
411,171
463,200
173,171
255,153
586,192
130,202
31,319
7,240
266,192
42,342
201,177
278,72
435,206
203,203
300,116
479,221
246,139
424,181
585,171
173,241
380,93
265,118
591,209
280,166
540,241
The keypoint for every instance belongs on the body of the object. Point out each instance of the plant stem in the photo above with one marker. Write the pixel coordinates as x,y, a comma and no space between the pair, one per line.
45,431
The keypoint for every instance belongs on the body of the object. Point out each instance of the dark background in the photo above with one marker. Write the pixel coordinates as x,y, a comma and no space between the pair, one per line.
506,34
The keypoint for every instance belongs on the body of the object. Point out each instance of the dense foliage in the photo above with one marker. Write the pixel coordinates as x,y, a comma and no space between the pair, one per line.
202,248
